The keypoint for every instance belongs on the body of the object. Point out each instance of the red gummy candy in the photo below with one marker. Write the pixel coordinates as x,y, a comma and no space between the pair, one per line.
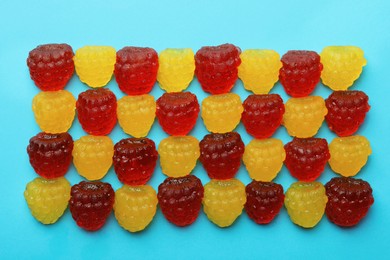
91,204
96,111
136,70
262,115
263,201
217,67
134,160
51,66
300,72
180,199
221,154
346,111
306,157
177,112
50,154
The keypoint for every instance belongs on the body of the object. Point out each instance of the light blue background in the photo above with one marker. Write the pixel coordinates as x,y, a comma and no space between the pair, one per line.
275,25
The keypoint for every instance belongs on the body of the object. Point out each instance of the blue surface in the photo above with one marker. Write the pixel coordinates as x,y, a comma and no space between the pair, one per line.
249,24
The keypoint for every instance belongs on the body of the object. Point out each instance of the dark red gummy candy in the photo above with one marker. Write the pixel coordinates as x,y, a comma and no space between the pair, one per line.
177,112
262,115
306,157
50,154
91,204
180,199
134,160
263,201
136,70
96,111
51,66
300,73
346,111
349,200
217,67
221,154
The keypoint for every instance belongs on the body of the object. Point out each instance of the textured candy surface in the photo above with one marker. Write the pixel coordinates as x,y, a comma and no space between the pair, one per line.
51,66
91,204
217,67
222,113
95,64
136,70
300,72
263,114
178,155
306,157
259,70
47,199
177,112
223,201
176,69
304,116
263,201
134,160
346,111
342,66
221,154
180,199
135,207
349,200
92,156
96,111
54,110
349,154
136,114
305,203
264,158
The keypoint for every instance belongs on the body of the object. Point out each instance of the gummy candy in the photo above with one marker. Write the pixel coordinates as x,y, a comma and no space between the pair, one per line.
176,70
178,155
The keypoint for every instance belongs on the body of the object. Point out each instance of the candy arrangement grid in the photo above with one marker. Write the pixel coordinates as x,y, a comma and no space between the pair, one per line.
181,195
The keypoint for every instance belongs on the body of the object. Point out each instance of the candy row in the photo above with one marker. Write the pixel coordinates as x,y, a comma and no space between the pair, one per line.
217,68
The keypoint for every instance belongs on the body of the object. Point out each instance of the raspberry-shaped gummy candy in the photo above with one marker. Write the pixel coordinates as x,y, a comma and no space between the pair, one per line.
92,156
178,155
134,160
259,70
349,154
47,199
177,112
54,110
306,157
180,199
136,69
342,66
349,200
300,72
263,201
264,158
221,154
51,66
96,111
217,67
223,201
91,204
50,154
222,113
304,116
135,206
346,111
263,114
176,69
305,203
95,64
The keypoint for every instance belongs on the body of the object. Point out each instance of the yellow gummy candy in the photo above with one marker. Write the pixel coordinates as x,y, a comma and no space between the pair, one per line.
54,111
